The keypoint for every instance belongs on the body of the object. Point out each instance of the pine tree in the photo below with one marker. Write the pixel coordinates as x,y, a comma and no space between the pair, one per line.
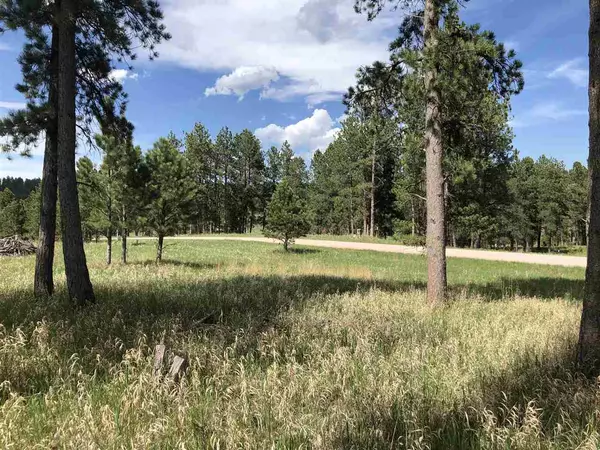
12,213
436,215
224,151
19,186
90,202
248,174
39,63
339,181
439,56
578,202
273,175
130,182
85,36
589,335
32,213
200,153
171,190
286,217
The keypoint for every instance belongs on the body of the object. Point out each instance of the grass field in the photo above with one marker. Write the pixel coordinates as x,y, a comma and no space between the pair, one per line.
318,349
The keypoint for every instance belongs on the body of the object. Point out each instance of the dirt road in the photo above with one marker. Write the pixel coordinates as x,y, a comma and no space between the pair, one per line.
528,258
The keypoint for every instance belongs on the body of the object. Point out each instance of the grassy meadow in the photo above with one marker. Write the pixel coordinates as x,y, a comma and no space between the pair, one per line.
319,349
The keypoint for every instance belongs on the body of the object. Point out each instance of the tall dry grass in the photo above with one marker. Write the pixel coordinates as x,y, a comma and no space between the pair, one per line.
325,349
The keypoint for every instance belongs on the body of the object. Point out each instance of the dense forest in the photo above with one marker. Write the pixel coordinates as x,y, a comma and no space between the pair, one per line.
197,184
21,188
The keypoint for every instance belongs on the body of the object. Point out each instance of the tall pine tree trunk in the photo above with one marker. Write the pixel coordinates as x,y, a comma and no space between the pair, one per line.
159,248
109,239
372,215
351,214
589,334
44,259
109,231
78,278
436,214
412,217
365,217
124,234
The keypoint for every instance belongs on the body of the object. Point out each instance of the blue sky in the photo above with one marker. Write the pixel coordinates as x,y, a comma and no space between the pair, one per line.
280,67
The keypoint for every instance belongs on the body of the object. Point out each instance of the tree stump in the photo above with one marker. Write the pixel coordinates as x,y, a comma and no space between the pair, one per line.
177,368
159,359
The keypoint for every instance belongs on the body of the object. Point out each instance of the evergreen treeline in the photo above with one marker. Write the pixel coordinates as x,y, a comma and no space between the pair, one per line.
19,216
198,184
21,188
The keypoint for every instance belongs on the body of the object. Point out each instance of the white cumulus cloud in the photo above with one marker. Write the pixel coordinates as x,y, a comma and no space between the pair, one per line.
573,70
315,46
242,80
320,18
314,132
121,75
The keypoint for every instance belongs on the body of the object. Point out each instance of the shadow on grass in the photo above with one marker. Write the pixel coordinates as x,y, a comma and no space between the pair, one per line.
238,309
509,288
534,403
174,263
235,309
304,251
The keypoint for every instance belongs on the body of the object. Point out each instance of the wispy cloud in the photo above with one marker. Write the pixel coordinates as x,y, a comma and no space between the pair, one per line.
21,167
546,112
573,70
511,45
555,111
12,105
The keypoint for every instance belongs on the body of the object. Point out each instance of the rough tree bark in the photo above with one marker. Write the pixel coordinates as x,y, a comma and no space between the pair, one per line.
436,214
589,334
124,234
43,284
109,239
78,278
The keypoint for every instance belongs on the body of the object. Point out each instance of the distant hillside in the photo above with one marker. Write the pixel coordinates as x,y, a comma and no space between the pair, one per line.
18,186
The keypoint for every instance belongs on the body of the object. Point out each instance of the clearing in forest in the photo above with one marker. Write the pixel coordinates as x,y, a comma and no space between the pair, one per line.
319,348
